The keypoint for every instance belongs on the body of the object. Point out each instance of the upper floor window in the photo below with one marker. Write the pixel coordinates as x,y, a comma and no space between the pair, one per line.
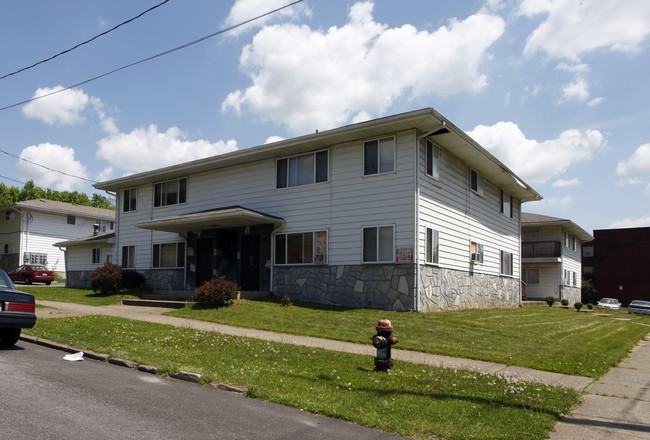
475,182
10,215
75,220
588,251
129,202
302,170
530,235
301,248
9,248
506,263
171,192
432,246
378,244
169,255
379,156
506,204
433,160
105,226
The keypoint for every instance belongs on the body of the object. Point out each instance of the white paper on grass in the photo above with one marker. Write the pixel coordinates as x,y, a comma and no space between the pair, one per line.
75,357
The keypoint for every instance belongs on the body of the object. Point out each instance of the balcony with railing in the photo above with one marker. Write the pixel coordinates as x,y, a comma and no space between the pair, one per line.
542,250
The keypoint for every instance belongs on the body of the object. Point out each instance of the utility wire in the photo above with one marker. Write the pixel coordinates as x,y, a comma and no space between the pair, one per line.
47,168
153,56
13,180
85,42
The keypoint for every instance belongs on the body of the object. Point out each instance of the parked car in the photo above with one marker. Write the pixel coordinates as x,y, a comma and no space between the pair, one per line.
17,310
29,273
638,306
608,303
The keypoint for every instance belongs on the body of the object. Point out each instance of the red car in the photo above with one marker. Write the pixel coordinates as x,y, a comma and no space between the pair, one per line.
29,273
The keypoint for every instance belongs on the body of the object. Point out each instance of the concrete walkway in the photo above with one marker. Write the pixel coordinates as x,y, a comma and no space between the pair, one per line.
615,407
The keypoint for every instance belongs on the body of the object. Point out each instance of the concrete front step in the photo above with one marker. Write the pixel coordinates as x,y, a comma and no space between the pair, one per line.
154,303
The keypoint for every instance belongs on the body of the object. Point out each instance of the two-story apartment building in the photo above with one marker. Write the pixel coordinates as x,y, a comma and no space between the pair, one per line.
551,257
29,230
405,212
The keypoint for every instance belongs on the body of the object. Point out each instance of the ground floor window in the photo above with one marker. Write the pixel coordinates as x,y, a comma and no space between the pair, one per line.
301,248
128,257
506,263
432,246
378,244
476,252
169,255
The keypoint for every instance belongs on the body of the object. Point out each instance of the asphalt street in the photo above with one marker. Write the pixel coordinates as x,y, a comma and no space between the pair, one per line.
45,397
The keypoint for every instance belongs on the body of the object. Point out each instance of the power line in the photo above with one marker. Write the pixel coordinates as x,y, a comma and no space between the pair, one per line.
13,180
85,42
47,168
152,57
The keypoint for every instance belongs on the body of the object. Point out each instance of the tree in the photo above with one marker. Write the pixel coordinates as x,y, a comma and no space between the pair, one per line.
589,293
10,195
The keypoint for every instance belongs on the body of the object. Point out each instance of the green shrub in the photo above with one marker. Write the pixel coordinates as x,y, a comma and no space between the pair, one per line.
217,292
550,300
286,301
565,302
106,280
578,305
590,306
132,279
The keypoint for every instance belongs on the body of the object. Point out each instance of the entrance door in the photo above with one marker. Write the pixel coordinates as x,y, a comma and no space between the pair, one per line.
250,262
204,260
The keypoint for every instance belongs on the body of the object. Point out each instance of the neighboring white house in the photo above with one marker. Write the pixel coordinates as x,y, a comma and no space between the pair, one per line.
551,257
85,254
405,212
29,230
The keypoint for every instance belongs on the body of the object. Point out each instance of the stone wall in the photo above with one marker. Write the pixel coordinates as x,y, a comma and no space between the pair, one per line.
385,287
78,279
159,279
444,289
573,294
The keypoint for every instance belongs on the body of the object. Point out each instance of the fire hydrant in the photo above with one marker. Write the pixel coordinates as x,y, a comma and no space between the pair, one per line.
382,341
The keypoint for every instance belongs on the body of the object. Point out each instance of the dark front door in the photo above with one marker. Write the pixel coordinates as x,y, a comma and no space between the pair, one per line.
204,260
250,262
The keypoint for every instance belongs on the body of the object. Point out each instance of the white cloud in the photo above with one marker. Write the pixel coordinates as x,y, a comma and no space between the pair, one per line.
550,205
63,108
55,157
105,174
319,79
562,183
272,139
244,10
577,68
536,161
148,149
638,163
574,27
596,101
631,222
577,90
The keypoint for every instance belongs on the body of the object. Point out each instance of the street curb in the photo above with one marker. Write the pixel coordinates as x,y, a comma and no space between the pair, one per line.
186,376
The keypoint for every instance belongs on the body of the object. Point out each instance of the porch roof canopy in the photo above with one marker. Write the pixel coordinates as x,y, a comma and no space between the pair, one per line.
213,219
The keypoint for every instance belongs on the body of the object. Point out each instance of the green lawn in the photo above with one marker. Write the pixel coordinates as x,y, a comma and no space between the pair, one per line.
411,400
80,296
545,338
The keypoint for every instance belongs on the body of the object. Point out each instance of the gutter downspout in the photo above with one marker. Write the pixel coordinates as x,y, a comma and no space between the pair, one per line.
521,265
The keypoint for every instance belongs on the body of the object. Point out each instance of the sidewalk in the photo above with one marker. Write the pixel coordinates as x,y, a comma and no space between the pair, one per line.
615,407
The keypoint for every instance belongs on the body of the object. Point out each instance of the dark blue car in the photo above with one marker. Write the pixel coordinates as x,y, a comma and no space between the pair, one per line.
17,311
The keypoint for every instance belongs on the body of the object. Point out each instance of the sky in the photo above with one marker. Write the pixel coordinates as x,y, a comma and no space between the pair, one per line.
557,90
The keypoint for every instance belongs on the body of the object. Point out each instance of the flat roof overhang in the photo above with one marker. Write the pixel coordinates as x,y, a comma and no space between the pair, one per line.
212,219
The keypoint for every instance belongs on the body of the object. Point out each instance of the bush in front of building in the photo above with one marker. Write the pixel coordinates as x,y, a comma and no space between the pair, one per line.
578,305
550,300
107,279
565,302
217,292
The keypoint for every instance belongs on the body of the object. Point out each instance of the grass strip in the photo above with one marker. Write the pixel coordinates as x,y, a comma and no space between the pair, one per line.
410,400
79,296
544,338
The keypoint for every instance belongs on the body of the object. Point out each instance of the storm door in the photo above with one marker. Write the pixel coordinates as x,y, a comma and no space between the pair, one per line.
250,262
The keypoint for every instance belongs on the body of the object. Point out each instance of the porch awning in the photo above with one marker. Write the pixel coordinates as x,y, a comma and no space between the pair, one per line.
213,219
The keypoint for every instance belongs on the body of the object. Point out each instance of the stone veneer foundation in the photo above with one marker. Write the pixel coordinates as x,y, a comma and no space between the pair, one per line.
392,287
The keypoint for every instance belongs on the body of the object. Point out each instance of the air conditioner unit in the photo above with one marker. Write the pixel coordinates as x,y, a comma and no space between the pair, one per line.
320,258
476,257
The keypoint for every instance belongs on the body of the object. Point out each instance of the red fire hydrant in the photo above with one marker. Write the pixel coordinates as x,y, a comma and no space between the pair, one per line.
382,341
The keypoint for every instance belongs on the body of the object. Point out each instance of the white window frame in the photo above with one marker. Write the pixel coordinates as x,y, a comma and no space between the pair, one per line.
10,215
159,197
480,182
378,244
178,245
96,255
290,166
318,251
130,202
381,166
432,246
128,256
507,204
432,160
476,252
506,263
